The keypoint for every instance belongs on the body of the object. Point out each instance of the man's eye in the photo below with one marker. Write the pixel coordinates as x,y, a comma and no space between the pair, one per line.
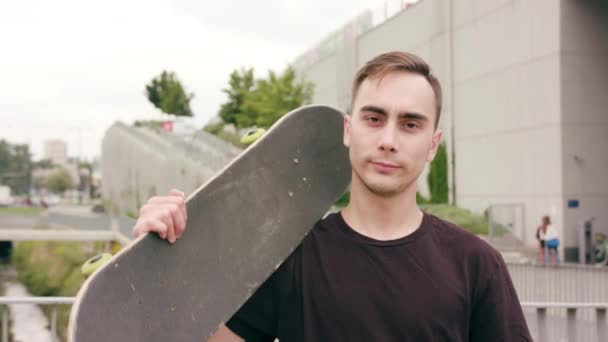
373,119
411,125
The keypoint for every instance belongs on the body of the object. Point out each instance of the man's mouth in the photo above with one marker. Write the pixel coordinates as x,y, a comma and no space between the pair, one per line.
384,165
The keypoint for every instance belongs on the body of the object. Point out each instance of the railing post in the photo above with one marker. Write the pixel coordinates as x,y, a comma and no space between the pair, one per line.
4,323
54,321
600,317
571,316
541,314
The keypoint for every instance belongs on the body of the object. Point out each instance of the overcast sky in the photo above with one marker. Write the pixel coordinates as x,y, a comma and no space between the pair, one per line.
69,68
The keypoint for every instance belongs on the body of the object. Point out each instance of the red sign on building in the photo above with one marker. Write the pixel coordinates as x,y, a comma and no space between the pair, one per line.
167,126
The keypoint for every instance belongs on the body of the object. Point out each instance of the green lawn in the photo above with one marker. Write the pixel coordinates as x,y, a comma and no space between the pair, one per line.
20,211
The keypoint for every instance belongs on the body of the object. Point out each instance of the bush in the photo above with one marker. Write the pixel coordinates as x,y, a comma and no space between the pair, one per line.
464,218
421,200
438,176
53,269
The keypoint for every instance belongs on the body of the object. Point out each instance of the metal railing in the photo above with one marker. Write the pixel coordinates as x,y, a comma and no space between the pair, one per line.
542,330
573,321
565,283
53,301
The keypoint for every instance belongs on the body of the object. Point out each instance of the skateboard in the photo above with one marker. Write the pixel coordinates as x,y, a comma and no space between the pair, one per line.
241,225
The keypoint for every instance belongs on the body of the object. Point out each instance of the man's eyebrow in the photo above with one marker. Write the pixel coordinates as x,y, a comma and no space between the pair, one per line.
414,116
374,109
403,115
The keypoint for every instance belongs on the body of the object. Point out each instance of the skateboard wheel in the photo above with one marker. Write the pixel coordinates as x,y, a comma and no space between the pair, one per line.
94,263
252,136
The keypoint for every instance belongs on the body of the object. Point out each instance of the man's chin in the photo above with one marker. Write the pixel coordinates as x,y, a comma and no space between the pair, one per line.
384,190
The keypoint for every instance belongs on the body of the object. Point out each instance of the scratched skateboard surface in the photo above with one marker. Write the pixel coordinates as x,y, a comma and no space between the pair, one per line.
241,225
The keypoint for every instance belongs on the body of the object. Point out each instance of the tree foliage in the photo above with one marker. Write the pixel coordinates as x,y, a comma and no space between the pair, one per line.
166,93
262,102
438,176
240,85
59,181
15,166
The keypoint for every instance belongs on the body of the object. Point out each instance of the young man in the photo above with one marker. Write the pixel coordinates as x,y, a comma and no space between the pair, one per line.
381,270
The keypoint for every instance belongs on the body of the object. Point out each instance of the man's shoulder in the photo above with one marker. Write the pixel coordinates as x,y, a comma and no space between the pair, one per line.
456,237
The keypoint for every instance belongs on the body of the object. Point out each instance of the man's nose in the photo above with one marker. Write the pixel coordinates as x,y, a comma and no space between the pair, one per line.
388,139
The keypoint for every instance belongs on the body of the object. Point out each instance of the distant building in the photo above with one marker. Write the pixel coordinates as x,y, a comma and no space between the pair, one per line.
56,150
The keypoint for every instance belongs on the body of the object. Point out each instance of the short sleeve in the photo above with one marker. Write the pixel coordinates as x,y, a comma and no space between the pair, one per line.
497,314
256,320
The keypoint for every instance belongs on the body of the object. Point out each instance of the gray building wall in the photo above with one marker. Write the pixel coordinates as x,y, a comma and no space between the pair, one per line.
516,76
584,112
137,163
507,107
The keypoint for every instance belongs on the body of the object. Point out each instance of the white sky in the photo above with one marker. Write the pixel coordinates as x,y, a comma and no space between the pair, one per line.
69,69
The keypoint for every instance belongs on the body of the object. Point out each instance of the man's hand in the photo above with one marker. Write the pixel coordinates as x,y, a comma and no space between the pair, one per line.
164,215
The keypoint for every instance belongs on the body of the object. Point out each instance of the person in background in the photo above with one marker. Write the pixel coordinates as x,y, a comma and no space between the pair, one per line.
549,236
541,245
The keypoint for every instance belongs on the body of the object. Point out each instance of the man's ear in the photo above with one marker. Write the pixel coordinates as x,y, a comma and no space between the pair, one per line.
346,137
434,145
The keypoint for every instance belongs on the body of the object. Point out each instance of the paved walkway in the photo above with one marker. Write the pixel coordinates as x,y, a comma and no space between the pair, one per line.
28,322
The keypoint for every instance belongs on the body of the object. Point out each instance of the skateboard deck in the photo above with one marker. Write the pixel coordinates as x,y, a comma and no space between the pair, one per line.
241,225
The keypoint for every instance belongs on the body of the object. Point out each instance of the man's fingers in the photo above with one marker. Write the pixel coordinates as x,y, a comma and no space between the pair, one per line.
165,215
175,192
166,200
150,225
155,202
162,200
167,218
179,221
182,204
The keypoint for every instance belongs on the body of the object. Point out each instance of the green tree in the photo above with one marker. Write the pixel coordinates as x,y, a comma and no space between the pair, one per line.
43,164
262,102
15,166
275,96
59,181
438,176
39,182
166,93
240,85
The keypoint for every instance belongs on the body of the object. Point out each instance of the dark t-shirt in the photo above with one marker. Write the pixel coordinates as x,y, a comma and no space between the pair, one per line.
439,283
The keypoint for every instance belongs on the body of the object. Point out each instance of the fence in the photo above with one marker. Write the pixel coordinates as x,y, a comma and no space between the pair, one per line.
53,301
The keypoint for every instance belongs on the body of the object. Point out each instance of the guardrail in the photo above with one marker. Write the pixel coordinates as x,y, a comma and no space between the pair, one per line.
565,283
53,301
540,308
572,319
19,234
26,234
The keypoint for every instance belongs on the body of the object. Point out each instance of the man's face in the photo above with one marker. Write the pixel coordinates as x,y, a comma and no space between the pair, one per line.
391,132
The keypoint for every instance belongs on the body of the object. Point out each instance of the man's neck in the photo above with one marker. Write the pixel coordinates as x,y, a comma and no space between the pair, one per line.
382,218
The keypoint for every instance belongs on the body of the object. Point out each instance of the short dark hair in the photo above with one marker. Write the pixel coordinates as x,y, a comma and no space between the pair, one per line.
393,61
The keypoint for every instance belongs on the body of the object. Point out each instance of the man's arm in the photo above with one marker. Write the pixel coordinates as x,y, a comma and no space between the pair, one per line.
497,314
223,334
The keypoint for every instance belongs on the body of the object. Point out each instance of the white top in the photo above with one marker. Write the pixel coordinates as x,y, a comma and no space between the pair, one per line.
549,234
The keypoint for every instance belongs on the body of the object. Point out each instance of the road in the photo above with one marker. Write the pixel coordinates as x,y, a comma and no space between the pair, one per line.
66,216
